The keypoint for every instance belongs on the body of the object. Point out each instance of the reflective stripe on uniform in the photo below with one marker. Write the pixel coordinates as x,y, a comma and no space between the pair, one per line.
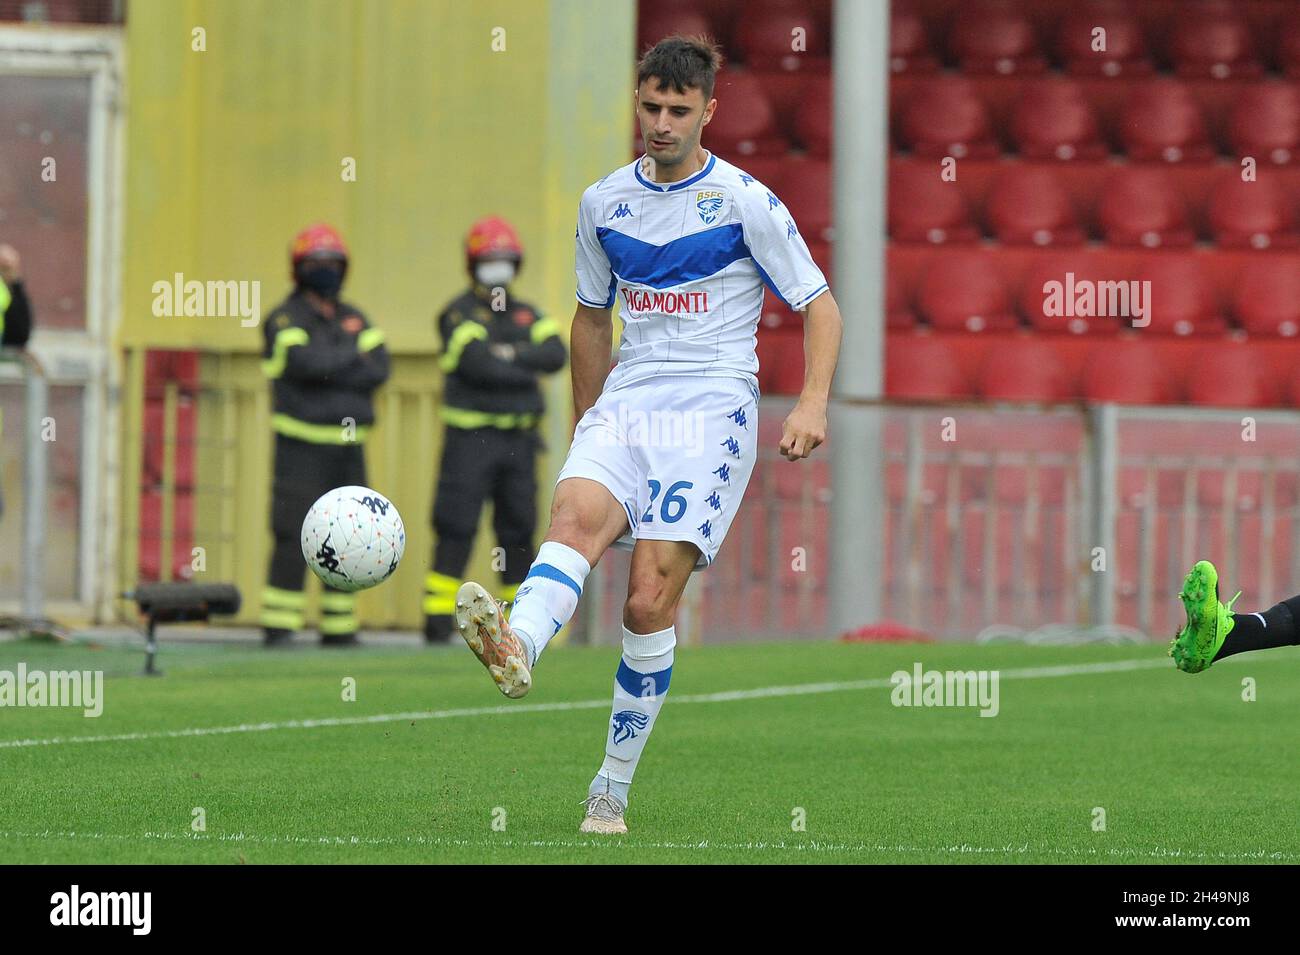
465,333
370,339
543,329
285,339
317,433
334,602
282,609
440,596
284,599
465,418
336,623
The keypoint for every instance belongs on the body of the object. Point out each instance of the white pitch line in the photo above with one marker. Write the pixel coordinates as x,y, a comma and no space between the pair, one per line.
728,696
627,845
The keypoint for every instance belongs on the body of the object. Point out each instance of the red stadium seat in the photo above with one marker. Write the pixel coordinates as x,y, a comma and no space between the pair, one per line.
921,366
777,314
1126,50
1288,44
657,21
806,190
1265,123
783,37
1069,271
965,291
766,169
1053,120
995,37
1214,42
945,117
1241,377
925,208
1024,369
780,360
1140,207
1128,372
909,44
1027,205
1162,121
1256,215
746,124
1184,299
816,116
1266,300
898,310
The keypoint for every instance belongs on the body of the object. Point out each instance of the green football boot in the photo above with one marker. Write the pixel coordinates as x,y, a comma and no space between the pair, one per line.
1208,621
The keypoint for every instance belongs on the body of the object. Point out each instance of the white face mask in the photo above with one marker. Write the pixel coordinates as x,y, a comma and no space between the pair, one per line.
494,274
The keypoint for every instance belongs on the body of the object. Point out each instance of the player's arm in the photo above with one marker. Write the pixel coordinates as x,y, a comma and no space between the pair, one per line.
592,337
805,427
591,341
781,253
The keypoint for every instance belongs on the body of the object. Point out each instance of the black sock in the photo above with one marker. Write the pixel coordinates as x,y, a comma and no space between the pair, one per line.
1276,629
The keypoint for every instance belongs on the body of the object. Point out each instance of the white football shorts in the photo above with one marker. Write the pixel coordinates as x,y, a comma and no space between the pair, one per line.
676,451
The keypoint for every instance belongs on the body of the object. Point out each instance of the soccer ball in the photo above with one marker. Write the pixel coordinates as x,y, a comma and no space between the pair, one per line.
353,538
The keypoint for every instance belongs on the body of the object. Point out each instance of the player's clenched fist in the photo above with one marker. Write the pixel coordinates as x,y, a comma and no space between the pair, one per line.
804,429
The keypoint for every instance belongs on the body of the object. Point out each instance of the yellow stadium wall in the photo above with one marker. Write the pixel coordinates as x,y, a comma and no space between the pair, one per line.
231,150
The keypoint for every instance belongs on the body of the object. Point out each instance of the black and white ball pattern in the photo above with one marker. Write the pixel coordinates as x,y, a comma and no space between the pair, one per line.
353,538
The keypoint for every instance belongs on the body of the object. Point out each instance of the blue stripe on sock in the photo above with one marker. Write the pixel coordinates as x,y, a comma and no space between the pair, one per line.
551,572
634,682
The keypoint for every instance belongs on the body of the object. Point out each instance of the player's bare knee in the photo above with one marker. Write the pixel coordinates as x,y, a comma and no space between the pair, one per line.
649,607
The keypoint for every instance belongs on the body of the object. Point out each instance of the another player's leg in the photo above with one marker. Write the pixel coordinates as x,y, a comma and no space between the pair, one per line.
659,573
1213,631
585,520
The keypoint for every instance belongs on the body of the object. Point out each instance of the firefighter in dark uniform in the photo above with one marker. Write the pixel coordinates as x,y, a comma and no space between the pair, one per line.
494,348
324,360
15,312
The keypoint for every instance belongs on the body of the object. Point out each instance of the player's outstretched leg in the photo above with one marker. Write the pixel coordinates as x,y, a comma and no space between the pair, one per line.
482,623
1209,621
1213,631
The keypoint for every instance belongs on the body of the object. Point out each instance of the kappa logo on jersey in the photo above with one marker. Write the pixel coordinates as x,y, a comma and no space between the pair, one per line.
626,723
714,501
708,203
670,303
622,212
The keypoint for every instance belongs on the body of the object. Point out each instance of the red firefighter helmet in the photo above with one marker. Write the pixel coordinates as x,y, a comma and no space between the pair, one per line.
492,237
319,239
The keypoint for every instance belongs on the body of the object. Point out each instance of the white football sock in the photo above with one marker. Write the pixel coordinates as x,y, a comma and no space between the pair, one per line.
548,595
639,689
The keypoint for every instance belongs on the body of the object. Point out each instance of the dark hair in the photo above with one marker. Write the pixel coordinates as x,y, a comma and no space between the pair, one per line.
682,62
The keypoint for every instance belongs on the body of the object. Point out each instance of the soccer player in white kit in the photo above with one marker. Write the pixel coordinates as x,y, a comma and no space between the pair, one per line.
665,442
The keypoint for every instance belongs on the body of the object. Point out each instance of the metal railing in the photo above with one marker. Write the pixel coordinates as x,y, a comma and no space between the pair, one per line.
1008,517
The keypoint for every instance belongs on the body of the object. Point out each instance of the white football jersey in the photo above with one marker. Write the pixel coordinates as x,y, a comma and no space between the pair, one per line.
686,263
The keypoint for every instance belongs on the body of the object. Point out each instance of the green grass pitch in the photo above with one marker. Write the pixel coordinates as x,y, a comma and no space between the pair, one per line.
450,771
